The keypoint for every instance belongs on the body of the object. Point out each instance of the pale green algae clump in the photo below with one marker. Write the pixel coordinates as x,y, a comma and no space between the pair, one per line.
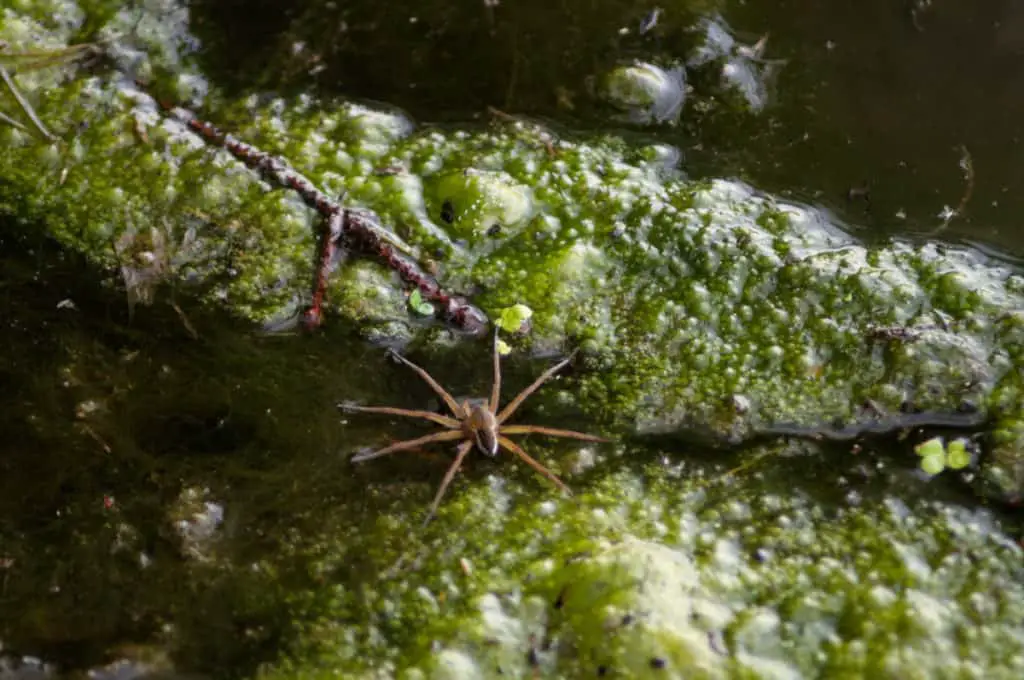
644,576
483,201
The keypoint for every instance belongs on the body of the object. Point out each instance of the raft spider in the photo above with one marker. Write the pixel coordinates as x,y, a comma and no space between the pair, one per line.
476,423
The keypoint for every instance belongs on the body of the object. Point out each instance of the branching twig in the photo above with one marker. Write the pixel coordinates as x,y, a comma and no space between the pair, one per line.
343,226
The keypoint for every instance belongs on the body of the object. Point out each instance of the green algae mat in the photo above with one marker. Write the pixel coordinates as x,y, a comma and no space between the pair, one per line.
771,386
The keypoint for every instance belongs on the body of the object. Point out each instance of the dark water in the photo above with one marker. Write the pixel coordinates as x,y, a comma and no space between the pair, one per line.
879,97
111,421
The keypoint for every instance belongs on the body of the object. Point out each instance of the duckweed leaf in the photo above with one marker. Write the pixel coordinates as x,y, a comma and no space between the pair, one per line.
932,447
512,318
957,455
419,305
933,464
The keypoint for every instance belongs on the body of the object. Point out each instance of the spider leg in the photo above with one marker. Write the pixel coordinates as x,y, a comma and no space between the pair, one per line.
434,385
511,407
460,454
551,432
444,421
514,448
446,436
496,390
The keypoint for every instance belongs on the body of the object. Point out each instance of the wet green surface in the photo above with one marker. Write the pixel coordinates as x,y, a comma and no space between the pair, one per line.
177,485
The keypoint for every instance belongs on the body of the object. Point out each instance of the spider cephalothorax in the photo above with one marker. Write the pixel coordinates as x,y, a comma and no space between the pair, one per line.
477,424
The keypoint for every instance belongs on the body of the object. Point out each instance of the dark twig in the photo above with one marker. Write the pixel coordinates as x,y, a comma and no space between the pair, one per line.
343,227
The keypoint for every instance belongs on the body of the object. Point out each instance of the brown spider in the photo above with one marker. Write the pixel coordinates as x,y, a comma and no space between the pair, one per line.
477,423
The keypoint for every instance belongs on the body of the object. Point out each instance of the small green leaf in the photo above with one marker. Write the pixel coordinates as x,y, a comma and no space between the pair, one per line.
503,347
933,464
511,319
419,305
957,456
932,447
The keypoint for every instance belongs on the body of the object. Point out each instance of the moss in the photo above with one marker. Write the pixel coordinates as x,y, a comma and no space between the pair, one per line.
640,583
